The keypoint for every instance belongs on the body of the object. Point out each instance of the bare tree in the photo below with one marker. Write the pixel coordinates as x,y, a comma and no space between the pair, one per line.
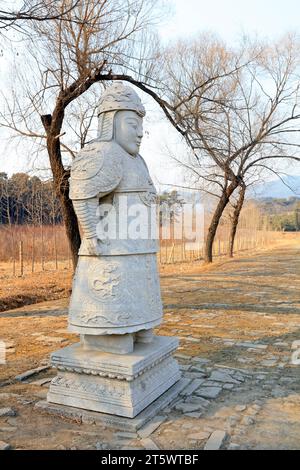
251,181
33,10
5,191
242,123
109,40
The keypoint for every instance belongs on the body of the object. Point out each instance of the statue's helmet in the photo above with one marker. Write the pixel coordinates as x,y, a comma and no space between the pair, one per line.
118,97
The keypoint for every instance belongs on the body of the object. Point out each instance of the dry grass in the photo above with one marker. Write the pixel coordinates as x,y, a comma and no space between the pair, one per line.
40,243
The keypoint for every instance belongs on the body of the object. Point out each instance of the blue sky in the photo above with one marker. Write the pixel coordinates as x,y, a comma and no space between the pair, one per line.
230,19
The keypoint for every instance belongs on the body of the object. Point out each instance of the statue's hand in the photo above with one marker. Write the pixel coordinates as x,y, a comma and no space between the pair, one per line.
92,246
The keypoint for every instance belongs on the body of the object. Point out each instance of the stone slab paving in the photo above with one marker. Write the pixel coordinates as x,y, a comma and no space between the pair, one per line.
240,386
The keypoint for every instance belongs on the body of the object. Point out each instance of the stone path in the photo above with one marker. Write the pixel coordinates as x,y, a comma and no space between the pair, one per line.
239,330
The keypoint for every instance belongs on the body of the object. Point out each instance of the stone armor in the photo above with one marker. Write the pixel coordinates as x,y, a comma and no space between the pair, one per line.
118,291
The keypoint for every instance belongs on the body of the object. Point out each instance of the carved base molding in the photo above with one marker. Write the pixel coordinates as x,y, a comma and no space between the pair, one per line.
116,384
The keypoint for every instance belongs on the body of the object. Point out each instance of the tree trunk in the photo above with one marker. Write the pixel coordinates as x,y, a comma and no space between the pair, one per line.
33,249
52,125
212,230
235,219
71,225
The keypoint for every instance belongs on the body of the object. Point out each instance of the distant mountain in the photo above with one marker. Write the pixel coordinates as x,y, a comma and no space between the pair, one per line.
277,189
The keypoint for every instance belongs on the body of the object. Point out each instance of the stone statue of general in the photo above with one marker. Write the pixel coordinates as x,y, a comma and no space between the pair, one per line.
119,367
116,287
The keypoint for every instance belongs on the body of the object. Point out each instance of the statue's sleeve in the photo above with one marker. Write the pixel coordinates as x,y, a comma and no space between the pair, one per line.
86,214
95,172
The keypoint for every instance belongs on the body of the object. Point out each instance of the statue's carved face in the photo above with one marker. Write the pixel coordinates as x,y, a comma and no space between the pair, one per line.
129,131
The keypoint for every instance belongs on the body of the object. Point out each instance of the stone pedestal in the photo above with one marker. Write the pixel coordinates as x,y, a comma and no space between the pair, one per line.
114,383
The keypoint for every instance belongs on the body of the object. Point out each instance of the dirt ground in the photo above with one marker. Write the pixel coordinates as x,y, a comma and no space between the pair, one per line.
237,322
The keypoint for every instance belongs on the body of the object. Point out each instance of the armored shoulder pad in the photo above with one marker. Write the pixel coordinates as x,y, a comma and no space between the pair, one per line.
97,170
